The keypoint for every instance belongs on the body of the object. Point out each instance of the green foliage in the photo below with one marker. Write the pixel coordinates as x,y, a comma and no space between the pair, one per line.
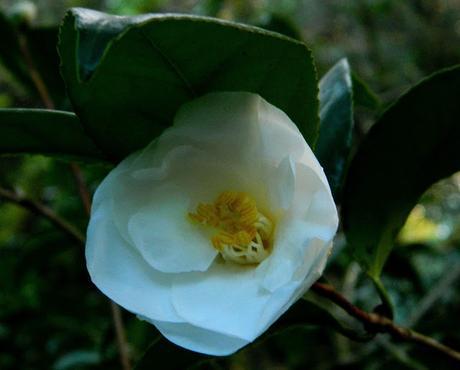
38,131
413,145
336,117
168,60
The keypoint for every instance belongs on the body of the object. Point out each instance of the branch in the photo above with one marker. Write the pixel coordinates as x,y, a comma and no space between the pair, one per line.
34,75
42,210
121,335
381,324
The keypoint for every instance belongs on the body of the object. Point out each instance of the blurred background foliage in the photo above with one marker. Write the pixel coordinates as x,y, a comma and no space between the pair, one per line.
52,317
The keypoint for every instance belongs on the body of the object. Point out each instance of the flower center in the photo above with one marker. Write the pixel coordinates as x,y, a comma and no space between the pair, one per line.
242,232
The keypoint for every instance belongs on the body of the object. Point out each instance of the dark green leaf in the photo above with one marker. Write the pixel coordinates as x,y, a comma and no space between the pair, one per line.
363,96
413,145
127,76
336,117
39,131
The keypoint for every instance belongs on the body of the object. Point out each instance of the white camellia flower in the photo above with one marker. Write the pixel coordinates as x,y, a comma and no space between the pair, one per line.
217,227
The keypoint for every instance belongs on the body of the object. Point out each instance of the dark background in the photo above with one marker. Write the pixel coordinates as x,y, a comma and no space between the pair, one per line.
52,317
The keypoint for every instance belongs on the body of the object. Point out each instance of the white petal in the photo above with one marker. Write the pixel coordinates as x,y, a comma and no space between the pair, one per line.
229,299
281,186
167,239
198,339
239,129
119,271
304,232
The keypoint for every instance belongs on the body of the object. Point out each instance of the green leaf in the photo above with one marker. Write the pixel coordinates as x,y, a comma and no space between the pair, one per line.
37,44
413,145
363,96
336,117
127,76
40,131
165,355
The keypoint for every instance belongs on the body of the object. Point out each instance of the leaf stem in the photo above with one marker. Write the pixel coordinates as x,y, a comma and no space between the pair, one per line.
384,297
381,324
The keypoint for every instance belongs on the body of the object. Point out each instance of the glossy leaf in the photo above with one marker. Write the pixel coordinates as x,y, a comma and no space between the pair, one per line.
336,117
413,145
38,131
127,76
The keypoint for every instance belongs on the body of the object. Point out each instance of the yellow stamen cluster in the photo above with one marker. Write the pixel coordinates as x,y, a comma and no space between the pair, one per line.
243,233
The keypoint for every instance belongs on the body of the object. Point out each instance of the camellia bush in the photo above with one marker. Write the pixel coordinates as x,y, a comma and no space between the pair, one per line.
227,174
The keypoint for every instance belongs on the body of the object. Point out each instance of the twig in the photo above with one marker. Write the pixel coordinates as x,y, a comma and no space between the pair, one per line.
42,210
84,195
121,335
381,324
82,188
34,75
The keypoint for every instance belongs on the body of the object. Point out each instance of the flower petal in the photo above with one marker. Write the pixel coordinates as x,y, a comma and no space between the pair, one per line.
303,233
198,339
119,271
238,129
166,237
229,299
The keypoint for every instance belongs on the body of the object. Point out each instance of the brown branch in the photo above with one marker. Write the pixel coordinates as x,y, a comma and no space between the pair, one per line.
42,210
121,335
82,188
34,75
381,324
